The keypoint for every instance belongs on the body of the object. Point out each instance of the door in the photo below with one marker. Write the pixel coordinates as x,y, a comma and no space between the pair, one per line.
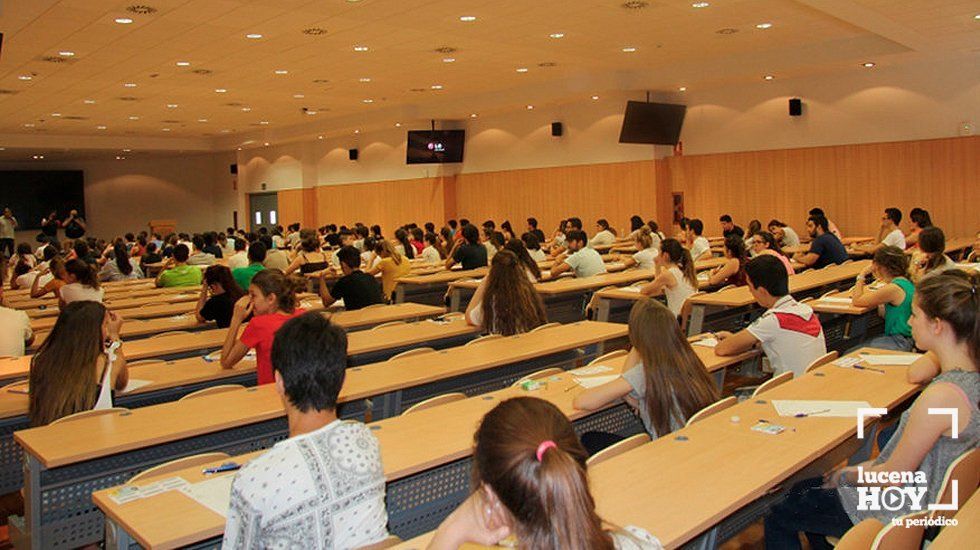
263,211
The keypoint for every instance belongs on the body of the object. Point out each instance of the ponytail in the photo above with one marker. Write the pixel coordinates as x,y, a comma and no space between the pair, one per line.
122,259
272,281
83,273
954,297
565,500
682,257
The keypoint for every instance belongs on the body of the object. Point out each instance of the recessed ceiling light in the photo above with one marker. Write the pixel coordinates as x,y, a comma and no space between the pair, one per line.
764,26
25,77
165,129
769,77
29,125
266,144
595,98
319,137
364,79
88,101
360,48
436,86
183,63
246,109
100,127
123,20
367,101
171,105
868,65
522,69
126,150
357,131
629,49
448,59
120,157
298,96
202,120
977,17
398,125
66,53
134,118
264,122
55,114
557,35
468,18
473,115
682,89
225,131
310,112
700,5
281,71
220,90
253,36
130,85
530,107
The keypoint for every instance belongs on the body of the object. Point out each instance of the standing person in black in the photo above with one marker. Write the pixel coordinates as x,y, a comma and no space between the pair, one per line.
74,225
219,292
50,225
469,251
356,288
729,229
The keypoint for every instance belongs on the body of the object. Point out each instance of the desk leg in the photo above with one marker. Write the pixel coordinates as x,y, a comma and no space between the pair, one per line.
116,538
32,500
696,320
720,378
602,309
455,299
399,293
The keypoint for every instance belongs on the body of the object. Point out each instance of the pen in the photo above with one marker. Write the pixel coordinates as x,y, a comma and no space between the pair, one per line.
859,367
803,415
226,467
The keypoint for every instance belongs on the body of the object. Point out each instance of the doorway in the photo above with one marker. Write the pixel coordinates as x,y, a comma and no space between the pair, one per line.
263,211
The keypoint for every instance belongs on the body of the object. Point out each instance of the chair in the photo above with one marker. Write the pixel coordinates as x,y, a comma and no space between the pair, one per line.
871,534
434,402
711,409
21,385
777,380
145,362
212,390
179,464
726,287
170,333
482,339
392,540
374,306
545,326
410,352
965,470
608,357
454,315
686,310
87,414
388,324
821,361
619,448
543,373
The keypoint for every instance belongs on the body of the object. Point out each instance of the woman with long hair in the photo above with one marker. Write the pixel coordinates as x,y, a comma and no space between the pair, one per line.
524,257
79,364
931,257
83,284
533,246
530,480
890,267
507,231
219,293
604,235
732,272
506,302
407,250
309,259
919,219
676,278
433,253
663,378
391,265
764,242
636,223
121,267
646,253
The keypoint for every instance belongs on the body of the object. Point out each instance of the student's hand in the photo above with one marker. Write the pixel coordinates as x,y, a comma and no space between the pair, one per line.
832,479
115,324
476,521
864,273
721,335
243,308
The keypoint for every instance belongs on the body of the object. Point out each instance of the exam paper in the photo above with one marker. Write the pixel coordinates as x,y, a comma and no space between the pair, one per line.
635,289
836,300
901,360
591,371
706,342
793,407
594,381
135,384
214,493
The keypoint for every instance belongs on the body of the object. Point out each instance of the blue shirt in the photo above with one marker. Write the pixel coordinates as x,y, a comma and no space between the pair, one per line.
829,249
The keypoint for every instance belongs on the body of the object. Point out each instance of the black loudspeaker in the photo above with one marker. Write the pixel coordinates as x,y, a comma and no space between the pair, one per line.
796,107
352,154
233,169
556,129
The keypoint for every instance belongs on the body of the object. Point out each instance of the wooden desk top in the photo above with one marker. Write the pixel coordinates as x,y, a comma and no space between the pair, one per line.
144,312
444,276
741,297
821,306
964,534
115,293
959,243
84,439
190,294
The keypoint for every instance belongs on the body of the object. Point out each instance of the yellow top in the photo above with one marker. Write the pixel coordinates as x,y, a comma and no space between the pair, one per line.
390,271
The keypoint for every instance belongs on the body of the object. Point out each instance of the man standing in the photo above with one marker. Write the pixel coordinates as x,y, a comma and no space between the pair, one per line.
8,224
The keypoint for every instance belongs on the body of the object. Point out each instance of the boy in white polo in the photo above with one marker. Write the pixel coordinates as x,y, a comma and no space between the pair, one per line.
584,261
789,331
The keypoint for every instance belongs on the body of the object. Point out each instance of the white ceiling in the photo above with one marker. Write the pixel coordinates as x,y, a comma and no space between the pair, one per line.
675,43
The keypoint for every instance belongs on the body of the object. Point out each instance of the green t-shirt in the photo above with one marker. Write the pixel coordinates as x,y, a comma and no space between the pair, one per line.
243,275
182,275
897,317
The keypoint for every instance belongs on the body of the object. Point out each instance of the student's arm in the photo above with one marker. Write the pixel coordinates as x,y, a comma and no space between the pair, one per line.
888,294
120,371
924,369
733,344
657,286
451,257
561,266
201,300
325,296
627,260
36,292
724,271
476,302
475,521
806,258
234,350
594,398
293,266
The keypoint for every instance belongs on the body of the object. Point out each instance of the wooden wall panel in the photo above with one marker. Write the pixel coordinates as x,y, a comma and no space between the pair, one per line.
612,191
852,183
388,203
291,206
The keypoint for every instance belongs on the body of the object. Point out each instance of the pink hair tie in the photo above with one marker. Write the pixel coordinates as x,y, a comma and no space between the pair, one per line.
544,446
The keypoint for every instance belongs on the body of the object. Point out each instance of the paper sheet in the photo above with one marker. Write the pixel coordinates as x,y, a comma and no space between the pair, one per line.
835,300
127,493
216,356
594,381
214,493
900,360
634,289
706,342
591,371
844,409
135,384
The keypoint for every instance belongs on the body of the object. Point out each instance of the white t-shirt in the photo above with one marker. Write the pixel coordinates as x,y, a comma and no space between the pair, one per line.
15,329
77,292
602,238
680,293
586,263
791,335
27,279
699,247
7,227
430,255
491,250
895,238
537,255
790,238
321,490
238,259
644,258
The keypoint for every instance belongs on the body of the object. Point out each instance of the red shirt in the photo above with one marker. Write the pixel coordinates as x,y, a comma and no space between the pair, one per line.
258,334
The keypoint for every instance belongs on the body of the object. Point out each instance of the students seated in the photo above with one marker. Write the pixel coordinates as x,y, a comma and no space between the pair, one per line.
211,245
560,244
433,253
507,231
530,481
151,255
732,272
506,302
663,379
82,284
583,261
404,246
636,223
931,256
783,233
699,246
356,288
309,259
176,272
271,301
646,253
275,258
825,249
919,219
121,267
945,325
392,266
533,246
890,234
890,267
78,365
729,229
492,241
468,251
676,278
765,243
789,331
532,228
754,228
324,487
256,257
219,293
604,234
15,330
831,226
198,256
558,237
417,238
56,268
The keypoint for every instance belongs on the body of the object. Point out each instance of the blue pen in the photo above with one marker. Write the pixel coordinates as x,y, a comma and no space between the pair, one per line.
859,367
226,467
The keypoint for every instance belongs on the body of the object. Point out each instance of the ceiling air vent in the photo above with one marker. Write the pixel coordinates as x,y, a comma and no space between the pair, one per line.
171,121
321,81
547,64
8,92
314,31
74,117
141,9
56,59
446,49
234,104
726,30
416,90
128,98
635,5
203,72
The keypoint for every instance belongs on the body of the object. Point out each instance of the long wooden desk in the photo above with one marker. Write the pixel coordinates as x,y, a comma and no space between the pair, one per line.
959,246
191,294
110,295
67,461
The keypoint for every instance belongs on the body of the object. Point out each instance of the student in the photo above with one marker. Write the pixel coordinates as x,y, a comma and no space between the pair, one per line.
293,237
945,324
83,284
919,219
732,272
507,231
121,267
646,252
524,259
211,245
239,258
700,247
559,247
583,261
79,364
361,233
417,241
356,288
468,251
662,378
26,255
931,256
765,243
676,278
785,234
323,487
533,246
489,243
754,228
433,253
506,302
226,245
636,223
729,229
890,234
15,330
392,266
889,266
8,227
789,331
50,225
656,233
404,246
56,267
275,258
532,228
271,301
825,249
558,238
219,293
530,480
151,255
309,259
176,272
681,235
604,235
831,226
256,257
82,252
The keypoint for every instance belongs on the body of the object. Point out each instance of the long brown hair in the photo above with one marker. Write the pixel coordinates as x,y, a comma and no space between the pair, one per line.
548,499
678,384
83,272
892,260
517,247
383,248
954,296
62,378
510,305
643,238
272,281
932,243
681,256
220,274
